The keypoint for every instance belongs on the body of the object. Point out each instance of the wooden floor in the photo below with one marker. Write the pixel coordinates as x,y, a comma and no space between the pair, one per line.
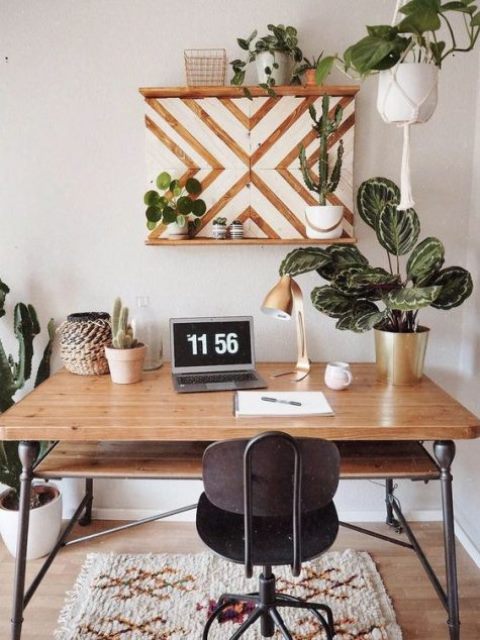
419,612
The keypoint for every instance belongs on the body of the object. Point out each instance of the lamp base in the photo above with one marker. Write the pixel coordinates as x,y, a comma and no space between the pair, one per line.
300,372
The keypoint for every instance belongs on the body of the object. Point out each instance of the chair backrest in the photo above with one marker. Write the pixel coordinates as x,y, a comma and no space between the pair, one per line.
272,468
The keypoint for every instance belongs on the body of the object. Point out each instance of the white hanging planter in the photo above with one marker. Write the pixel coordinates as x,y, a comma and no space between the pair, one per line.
177,231
44,526
265,60
408,93
324,222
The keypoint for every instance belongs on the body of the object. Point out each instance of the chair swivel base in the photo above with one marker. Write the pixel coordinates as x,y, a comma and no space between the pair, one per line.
267,603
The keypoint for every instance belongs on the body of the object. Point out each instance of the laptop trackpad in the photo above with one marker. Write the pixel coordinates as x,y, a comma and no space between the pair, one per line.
220,386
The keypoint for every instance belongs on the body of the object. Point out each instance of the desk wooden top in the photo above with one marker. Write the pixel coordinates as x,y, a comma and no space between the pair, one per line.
86,408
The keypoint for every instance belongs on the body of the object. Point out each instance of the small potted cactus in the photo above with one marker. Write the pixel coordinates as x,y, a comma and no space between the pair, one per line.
324,221
126,355
219,228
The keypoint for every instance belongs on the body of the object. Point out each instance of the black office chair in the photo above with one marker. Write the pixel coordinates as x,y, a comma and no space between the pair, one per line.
268,501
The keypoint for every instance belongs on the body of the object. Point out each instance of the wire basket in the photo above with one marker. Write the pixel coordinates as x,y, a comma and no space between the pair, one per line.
205,67
83,338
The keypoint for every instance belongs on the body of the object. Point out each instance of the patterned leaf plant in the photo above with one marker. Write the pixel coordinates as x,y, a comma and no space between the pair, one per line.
360,296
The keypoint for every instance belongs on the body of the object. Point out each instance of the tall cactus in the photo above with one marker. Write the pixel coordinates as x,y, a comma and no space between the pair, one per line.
122,332
14,374
325,126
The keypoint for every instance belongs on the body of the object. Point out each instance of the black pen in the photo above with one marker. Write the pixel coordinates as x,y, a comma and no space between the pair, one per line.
293,402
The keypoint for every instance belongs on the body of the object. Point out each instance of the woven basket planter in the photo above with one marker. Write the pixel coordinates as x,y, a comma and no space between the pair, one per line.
83,337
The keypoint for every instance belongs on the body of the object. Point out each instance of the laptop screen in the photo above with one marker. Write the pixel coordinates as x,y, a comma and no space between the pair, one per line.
204,344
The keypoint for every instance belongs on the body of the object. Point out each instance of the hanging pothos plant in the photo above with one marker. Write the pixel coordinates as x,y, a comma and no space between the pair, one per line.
362,297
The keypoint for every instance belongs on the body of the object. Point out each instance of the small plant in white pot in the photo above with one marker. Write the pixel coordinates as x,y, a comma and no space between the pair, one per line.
324,221
274,54
178,207
126,355
219,228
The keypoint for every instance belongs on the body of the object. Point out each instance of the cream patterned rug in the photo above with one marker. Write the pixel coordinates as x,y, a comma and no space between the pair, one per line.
168,597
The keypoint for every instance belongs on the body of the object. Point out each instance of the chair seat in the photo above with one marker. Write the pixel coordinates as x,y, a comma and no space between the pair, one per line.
223,532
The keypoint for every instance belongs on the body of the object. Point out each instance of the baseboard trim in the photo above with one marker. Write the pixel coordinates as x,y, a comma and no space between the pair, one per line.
467,543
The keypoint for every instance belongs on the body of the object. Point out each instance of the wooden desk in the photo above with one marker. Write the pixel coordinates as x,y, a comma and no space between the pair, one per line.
83,409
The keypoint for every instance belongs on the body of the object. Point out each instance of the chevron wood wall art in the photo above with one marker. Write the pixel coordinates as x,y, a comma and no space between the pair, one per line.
245,154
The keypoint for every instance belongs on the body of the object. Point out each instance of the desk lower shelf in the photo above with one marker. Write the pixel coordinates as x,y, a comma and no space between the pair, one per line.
183,460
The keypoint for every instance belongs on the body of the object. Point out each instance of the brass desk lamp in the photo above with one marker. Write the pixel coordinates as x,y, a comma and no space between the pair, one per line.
282,302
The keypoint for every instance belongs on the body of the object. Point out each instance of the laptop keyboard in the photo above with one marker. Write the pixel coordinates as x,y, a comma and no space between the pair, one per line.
216,377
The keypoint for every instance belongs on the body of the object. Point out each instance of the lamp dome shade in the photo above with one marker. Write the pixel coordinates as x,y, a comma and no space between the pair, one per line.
279,300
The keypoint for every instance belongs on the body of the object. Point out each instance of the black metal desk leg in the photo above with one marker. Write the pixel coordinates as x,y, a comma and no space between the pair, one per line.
28,453
86,519
444,451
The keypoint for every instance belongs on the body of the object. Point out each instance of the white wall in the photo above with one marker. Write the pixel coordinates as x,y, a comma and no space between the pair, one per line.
72,167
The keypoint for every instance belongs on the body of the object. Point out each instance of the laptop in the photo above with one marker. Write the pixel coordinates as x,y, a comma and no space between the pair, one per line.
213,354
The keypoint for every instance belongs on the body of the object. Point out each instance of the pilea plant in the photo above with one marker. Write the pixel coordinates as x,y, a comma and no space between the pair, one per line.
122,332
13,376
360,296
324,126
281,39
174,203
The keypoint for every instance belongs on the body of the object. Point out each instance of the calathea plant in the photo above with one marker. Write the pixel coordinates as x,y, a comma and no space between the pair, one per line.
13,375
324,126
360,296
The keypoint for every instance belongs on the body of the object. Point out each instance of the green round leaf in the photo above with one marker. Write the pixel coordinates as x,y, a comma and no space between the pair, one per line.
457,286
425,260
373,196
193,186
184,205
181,220
175,188
154,214
398,231
151,197
169,215
163,181
198,208
151,225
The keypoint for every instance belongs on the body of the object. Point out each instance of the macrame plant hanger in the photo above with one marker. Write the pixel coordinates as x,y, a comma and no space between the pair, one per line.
406,196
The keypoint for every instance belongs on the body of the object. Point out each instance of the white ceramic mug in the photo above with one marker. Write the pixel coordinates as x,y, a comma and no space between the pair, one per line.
338,375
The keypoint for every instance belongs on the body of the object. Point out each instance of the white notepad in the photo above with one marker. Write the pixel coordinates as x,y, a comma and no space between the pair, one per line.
252,404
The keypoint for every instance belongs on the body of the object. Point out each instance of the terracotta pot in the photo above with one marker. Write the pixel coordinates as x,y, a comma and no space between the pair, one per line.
44,527
401,356
308,78
409,97
324,222
126,364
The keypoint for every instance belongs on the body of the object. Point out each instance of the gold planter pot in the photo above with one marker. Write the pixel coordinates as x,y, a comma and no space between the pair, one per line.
400,356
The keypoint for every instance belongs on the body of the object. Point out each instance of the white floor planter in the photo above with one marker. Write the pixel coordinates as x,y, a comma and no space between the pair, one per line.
126,365
177,231
282,75
324,222
408,93
44,527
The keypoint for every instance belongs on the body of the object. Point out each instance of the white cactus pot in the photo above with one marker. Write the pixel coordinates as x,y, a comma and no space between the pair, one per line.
324,222
408,92
282,75
126,365
44,526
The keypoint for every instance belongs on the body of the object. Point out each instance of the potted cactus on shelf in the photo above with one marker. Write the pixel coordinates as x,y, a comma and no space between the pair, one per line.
324,221
219,228
45,499
126,355
362,297
180,208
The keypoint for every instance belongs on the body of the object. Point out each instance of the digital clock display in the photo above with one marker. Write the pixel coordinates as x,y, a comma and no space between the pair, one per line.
203,344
